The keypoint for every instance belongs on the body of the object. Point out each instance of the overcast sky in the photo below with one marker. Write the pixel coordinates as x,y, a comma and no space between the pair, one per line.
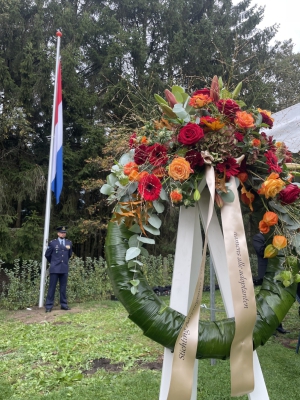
286,13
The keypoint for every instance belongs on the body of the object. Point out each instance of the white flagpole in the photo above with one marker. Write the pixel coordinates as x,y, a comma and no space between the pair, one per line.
48,200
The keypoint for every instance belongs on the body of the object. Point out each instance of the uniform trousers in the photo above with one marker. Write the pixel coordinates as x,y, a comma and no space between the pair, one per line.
63,279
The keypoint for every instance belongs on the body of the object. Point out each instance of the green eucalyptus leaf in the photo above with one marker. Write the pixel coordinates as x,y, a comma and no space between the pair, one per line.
132,252
144,252
155,221
181,113
159,207
145,240
126,158
133,241
135,228
106,189
163,195
152,230
111,179
134,290
227,197
278,207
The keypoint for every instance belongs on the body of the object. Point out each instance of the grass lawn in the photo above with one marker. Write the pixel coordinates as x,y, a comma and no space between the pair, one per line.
95,352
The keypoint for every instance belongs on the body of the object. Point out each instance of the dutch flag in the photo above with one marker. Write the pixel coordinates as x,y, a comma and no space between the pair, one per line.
57,165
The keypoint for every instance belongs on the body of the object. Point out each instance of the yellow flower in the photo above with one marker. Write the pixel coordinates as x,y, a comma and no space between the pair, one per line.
272,186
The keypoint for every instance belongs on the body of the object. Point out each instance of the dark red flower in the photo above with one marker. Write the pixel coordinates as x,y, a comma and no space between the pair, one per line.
230,166
269,141
194,158
157,155
239,136
149,187
132,140
272,162
266,119
228,107
289,194
141,154
204,91
190,134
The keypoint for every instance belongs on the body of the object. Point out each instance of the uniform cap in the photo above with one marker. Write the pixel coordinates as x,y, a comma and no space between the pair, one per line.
62,229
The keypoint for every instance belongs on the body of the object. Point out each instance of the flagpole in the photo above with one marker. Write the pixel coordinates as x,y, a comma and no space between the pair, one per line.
49,194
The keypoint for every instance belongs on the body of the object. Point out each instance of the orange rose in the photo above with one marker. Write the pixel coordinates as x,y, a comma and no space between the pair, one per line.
200,100
129,167
270,251
256,143
180,169
272,186
244,119
263,227
175,196
160,172
270,218
279,242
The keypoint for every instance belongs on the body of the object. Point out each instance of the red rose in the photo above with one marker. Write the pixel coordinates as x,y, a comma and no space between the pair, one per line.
190,134
201,91
141,154
157,155
228,107
289,194
194,158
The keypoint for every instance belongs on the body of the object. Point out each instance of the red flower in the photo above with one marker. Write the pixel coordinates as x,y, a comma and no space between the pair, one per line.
190,134
228,107
289,194
157,155
204,91
132,140
272,162
141,154
149,187
194,158
266,117
239,136
230,166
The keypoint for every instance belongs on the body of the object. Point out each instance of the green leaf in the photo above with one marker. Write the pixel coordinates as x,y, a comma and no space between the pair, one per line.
152,230
135,228
168,111
133,241
176,88
181,113
144,252
227,197
159,207
111,179
145,240
106,189
126,158
225,94
160,100
258,119
134,290
277,207
178,97
132,252
135,282
155,221
237,90
163,195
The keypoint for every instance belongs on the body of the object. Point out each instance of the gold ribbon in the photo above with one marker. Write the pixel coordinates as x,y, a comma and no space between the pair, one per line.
241,353
185,349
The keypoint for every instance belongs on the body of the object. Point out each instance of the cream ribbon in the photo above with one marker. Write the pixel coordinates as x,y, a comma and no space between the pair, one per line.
241,353
186,344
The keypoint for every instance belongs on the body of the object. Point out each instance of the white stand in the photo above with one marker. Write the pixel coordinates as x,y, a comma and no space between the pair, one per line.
186,269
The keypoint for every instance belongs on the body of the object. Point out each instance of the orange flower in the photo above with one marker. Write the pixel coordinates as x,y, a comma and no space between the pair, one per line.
175,196
278,144
144,140
272,186
279,242
180,169
129,167
200,100
244,119
270,251
137,176
270,218
242,176
256,143
212,123
160,172
263,227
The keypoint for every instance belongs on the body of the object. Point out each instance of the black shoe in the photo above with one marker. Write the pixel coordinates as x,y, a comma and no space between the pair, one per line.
48,309
65,308
280,329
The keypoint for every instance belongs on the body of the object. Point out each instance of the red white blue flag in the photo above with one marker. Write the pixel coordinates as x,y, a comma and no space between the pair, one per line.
57,165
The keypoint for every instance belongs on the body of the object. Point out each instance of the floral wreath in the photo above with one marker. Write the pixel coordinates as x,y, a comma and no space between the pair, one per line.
165,162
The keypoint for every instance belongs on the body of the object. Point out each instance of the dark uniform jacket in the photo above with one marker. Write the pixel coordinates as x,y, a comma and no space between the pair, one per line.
259,244
58,256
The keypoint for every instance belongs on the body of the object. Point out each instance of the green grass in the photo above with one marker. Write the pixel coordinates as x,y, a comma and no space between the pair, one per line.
50,359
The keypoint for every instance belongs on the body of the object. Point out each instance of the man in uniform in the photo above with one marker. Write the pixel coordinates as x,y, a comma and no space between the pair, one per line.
58,253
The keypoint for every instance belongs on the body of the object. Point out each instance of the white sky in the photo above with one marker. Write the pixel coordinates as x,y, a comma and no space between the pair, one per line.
286,13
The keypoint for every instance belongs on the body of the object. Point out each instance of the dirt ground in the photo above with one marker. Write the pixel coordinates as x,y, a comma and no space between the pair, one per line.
35,314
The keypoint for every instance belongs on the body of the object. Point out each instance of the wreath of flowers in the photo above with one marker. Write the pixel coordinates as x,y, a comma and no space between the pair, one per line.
165,163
